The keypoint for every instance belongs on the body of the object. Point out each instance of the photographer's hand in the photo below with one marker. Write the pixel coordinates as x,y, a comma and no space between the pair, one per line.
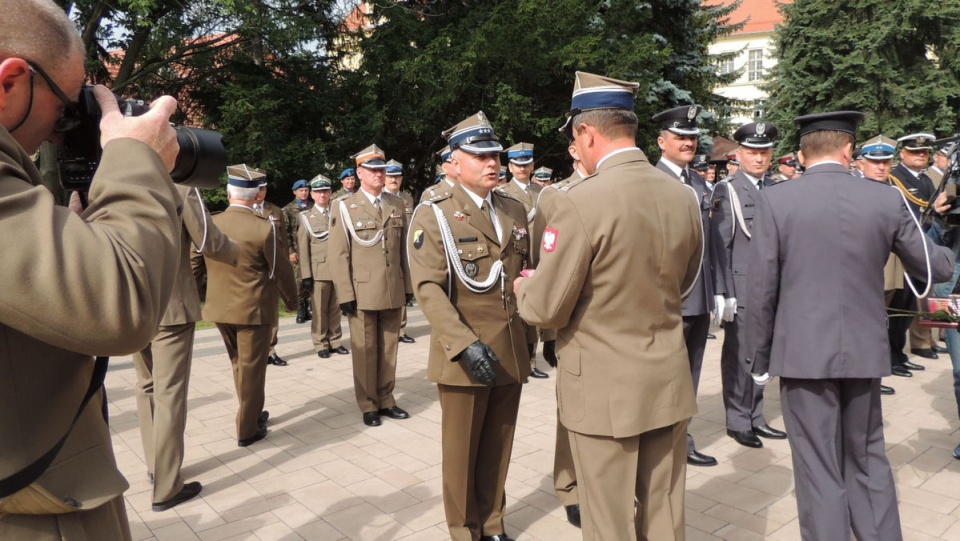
152,128
943,203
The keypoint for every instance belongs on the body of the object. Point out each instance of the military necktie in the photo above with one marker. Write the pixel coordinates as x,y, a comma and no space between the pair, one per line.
259,209
376,206
485,209
684,177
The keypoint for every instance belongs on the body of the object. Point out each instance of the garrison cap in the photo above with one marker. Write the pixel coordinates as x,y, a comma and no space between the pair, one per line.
917,141
757,135
544,173
444,154
371,158
520,153
394,169
244,176
474,135
679,120
844,121
320,182
591,92
878,148
302,183
700,162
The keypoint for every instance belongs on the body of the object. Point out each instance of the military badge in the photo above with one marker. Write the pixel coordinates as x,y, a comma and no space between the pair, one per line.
550,236
471,269
692,112
761,128
519,233
353,205
418,238
459,215
359,224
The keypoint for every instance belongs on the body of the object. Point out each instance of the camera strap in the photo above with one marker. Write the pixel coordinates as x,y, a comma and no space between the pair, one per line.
25,477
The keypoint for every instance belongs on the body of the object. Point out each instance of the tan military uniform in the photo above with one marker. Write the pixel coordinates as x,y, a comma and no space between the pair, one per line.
478,422
312,236
612,273
291,222
441,188
96,290
274,212
163,367
408,205
243,302
368,262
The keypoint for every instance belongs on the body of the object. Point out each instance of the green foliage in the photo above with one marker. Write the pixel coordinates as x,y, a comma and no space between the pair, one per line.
895,61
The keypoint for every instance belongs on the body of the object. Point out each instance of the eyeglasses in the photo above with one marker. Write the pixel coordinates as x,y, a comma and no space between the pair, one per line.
69,118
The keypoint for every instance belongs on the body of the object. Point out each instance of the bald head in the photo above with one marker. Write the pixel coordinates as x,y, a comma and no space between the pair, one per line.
40,31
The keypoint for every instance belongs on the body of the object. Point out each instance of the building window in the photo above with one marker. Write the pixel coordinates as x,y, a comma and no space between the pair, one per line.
726,66
755,65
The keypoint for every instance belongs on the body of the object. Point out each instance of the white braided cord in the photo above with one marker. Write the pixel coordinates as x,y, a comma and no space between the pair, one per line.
319,236
450,247
348,227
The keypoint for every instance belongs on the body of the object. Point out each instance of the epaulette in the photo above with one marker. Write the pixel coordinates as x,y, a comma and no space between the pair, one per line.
385,192
503,193
436,198
725,179
574,183
214,213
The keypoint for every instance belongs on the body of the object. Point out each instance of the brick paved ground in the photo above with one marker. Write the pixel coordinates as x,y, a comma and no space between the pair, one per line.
322,475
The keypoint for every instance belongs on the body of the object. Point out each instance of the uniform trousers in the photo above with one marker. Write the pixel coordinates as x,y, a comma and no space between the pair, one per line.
248,347
564,472
742,397
695,330
109,521
613,473
163,379
374,335
325,325
899,299
274,328
477,427
840,468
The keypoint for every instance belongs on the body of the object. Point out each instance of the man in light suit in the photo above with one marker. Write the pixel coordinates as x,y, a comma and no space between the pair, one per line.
163,367
446,180
369,267
117,261
815,318
392,184
735,203
678,145
477,353
275,215
622,247
243,299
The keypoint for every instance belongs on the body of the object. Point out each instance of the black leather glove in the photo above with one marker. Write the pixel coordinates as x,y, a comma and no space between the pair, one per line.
479,360
349,308
550,353
410,298
307,284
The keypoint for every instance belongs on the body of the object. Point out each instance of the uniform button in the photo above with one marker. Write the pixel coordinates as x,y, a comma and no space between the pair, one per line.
70,502
446,347
748,361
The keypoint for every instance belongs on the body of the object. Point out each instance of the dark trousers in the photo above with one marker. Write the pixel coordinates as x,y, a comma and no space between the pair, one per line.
897,327
695,330
742,397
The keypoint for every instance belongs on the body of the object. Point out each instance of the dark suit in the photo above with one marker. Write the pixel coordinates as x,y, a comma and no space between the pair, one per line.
732,226
815,317
697,307
75,287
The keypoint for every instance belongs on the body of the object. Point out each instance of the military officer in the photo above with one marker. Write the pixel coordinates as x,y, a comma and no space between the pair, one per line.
348,183
612,272
678,146
275,214
520,163
502,177
369,267
735,202
814,256
242,300
447,179
477,356
732,164
787,168
315,270
543,176
291,221
941,159
163,367
392,184
118,261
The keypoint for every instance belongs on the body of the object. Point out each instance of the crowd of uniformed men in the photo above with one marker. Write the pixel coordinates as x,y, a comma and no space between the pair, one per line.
619,269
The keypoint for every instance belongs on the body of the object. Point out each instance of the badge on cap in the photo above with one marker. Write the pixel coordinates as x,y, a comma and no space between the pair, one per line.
692,112
761,127
550,239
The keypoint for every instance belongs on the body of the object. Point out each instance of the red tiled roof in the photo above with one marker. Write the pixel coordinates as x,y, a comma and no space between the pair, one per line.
760,15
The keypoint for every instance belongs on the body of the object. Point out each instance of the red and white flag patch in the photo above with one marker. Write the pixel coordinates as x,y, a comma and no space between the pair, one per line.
550,236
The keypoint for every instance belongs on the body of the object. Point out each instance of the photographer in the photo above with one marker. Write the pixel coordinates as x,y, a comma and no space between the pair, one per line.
78,286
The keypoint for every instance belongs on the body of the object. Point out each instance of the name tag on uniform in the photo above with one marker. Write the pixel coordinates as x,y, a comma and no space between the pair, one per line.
467,239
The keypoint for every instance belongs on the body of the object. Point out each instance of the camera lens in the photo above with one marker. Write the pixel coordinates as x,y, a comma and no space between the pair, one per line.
202,158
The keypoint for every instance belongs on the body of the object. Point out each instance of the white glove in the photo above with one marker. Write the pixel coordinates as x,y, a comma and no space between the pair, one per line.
716,316
729,309
762,379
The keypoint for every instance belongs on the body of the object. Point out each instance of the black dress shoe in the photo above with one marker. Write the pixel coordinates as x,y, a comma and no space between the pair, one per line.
899,370
324,354
372,418
394,412
886,390
262,418
769,432
539,374
573,514
696,458
498,537
188,492
936,348
711,336
342,351
276,360
259,435
406,339
912,366
926,353
746,438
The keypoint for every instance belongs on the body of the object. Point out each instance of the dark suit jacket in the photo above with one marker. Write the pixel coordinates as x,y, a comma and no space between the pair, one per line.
918,186
815,305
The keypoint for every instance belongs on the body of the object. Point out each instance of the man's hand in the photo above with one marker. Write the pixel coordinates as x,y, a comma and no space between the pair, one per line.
409,299
717,314
152,128
729,309
479,360
307,284
943,203
349,308
294,258
761,379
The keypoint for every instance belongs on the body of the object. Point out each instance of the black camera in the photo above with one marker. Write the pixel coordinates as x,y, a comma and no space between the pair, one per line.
200,162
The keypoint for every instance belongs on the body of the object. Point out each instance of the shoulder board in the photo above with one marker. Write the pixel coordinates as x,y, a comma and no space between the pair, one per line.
214,213
436,198
502,193
574,183
384,192
726,179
